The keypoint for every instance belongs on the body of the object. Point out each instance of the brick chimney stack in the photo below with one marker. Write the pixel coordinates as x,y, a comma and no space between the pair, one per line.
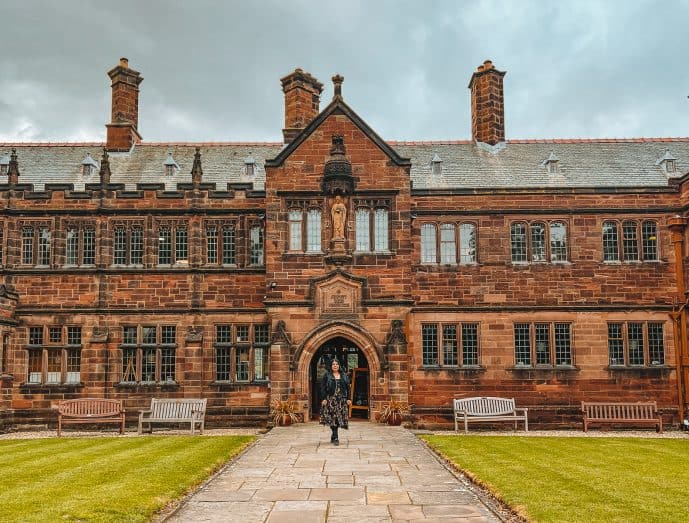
487,104
123,127
302,99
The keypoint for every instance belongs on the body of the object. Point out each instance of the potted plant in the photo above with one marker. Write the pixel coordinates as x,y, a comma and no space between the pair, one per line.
394,412
284,412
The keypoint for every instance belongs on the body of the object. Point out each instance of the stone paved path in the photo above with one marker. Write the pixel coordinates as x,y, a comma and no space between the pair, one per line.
294,474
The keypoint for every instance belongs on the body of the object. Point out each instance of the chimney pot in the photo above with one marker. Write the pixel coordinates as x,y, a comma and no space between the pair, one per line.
124,62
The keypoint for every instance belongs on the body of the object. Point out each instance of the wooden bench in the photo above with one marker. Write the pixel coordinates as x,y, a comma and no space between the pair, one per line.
90,410
641,413
192,411
488,409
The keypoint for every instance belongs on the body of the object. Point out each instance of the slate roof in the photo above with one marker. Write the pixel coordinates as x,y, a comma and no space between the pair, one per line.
517,164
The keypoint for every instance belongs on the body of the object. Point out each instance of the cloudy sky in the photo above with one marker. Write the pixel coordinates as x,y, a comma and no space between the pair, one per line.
211,68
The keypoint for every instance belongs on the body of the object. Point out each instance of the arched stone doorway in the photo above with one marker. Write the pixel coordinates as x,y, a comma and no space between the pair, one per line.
354,363
345,334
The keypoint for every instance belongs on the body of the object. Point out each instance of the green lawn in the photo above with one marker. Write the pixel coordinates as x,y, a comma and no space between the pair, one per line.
104,479
578,479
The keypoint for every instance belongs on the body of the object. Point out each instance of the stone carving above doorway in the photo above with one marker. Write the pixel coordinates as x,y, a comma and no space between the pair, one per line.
337,295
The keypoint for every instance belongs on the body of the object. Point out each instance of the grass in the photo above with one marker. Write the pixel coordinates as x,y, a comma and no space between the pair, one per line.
105,479
577,479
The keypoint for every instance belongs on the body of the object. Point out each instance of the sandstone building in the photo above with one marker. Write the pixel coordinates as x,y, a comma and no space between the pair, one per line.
551,271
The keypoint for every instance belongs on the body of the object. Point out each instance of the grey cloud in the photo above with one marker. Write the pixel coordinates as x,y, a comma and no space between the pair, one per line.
212,69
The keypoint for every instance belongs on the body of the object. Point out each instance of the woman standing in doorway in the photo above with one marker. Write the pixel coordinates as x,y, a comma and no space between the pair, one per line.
335,404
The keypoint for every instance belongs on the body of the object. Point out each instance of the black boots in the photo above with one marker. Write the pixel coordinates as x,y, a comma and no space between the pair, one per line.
333,439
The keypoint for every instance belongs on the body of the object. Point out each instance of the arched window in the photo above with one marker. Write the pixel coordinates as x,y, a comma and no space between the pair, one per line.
649,241
295,228
363,230
428,245
518,242
538,245
467,243
558,242
448,244
313,231
611,248
630,241
380,232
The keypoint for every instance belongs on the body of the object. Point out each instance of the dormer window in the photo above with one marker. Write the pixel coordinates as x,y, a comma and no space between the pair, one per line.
249,166
668,163
436,165
4,164
89,166
552,163
171,166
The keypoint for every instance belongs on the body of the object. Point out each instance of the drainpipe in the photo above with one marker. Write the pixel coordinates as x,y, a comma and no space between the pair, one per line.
677,225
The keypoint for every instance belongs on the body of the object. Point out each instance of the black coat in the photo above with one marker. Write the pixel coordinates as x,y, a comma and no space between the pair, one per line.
328,385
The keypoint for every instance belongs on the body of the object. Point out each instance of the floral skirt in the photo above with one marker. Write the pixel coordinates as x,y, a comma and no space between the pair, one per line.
335,411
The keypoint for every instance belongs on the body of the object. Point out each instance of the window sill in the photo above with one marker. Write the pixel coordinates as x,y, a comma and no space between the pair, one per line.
649,370
467,369
49,388
543,371
148,385
234,385
373,253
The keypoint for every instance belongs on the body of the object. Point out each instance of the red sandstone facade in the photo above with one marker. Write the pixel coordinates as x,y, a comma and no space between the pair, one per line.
455,269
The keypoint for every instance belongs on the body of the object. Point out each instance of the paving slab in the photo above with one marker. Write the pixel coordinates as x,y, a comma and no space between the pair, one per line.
294,474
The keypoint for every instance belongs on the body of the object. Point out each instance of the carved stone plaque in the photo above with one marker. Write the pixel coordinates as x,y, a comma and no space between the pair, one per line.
338,297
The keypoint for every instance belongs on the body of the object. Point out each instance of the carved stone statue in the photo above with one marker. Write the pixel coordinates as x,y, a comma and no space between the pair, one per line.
339,216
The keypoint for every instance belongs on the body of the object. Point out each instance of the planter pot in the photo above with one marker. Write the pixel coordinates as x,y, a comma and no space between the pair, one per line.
285,420
395,419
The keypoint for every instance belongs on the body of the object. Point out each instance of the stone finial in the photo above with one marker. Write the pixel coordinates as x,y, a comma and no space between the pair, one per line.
13,169
196,170
337,84
105,168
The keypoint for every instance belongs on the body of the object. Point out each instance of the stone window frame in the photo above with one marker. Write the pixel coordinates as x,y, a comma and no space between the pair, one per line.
622,334
134,353
81,227
129,226
179,241
256,250
299,218
617,249
4,353
544,254
244,338
2,243
37,245
371,208
556,355
221,226
432,253
42,354
461,358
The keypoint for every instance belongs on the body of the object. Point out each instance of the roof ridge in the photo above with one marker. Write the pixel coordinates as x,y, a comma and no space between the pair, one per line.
519,141
156,144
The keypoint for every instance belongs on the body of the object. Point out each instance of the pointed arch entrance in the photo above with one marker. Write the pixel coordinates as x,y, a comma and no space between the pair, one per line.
342,338
354,363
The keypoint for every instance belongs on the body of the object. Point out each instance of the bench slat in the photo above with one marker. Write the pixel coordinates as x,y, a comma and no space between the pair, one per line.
622,413
184,410
90,410
485,408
